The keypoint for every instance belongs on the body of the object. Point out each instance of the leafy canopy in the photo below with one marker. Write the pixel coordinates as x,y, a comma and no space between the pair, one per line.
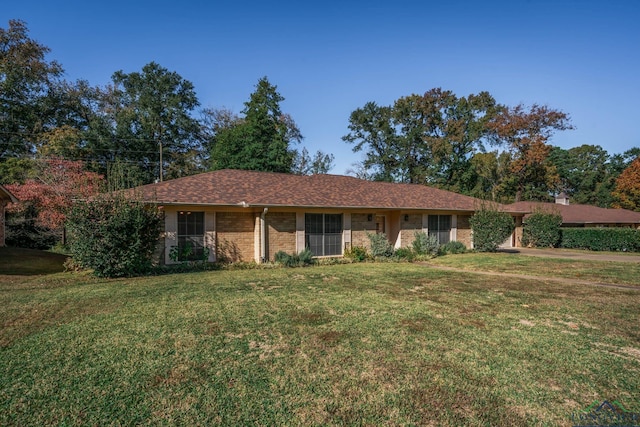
26,82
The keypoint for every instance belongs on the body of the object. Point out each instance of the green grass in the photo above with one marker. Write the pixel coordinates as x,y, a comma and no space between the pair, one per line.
598,271
360,344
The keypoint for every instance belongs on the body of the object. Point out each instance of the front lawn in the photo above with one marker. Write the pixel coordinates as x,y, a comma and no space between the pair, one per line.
625,273
372,344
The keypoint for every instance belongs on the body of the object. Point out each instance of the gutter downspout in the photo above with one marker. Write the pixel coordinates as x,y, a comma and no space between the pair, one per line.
263,235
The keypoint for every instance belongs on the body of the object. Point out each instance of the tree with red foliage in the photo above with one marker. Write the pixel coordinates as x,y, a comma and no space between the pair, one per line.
627,191
526,132
57,183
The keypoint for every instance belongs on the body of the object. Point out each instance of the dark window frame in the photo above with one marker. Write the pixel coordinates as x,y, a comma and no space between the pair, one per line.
323,233
440,226
190,231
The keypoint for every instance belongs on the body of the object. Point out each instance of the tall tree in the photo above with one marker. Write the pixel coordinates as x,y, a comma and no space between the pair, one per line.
26,80
145,119
584,174
372,130
492,176
426,138
525,132
262,139
627,190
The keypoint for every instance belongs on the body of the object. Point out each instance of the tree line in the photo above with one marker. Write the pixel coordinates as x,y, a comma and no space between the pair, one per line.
152,122
475,146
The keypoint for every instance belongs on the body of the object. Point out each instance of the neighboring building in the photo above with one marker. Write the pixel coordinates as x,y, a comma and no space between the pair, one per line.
250,216
582,215
5,198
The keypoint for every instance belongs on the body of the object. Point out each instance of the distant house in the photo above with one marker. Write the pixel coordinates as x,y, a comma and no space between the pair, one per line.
5,198
583,215
250,216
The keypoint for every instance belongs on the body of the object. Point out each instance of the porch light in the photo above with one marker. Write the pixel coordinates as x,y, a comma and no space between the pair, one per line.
406,217
369,217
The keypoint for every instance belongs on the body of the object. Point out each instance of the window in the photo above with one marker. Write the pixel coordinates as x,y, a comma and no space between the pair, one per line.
323,234
440,228
190,236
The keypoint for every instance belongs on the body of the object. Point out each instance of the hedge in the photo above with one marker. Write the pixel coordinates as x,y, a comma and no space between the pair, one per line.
490,229
601,239
542,230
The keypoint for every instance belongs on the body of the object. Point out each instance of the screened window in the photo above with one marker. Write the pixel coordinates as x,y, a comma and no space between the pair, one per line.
323,234
440,227
190,236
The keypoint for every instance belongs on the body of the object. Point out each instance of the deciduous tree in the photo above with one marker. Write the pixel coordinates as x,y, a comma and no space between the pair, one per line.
144,116
627,191
52,191
426,138
304,164
26,80
525,132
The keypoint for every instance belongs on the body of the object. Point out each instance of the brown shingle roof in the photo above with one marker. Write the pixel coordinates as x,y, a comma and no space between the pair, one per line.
583,214
233,187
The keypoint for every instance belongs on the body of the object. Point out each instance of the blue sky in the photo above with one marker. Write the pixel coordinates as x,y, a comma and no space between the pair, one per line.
330,57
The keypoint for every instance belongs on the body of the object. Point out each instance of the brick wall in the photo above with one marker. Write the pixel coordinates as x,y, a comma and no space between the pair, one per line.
409,228
360,227
463,232
235,236
281,233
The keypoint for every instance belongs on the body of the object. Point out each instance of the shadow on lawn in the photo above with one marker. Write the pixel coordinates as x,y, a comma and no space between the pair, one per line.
29,262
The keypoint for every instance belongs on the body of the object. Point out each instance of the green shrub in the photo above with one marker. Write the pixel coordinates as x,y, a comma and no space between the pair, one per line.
356,253
542,230
186,254
452,248
601,239
114,236
423,244
380,246
406,254
490,229
295,260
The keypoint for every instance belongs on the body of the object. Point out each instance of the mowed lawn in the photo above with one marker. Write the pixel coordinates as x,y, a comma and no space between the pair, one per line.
360,344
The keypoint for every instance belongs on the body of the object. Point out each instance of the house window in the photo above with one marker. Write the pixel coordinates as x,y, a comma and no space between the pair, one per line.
323,234
190,236
440,228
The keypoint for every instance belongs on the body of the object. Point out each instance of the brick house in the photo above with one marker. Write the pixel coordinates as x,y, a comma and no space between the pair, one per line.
5,198
250,216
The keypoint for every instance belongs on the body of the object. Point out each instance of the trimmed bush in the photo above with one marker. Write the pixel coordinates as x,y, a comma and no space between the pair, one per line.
423,244
452,248
601,239
542,230
406,254
380,246
114,236
356,253
490,229
296,260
